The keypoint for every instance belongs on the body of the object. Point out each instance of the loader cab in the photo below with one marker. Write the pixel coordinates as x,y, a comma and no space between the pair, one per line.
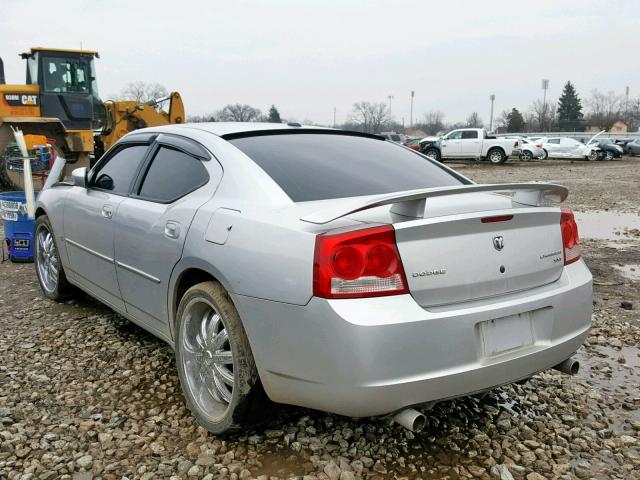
68,86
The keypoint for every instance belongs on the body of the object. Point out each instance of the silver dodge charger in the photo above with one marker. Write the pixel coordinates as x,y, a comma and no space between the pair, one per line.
329,269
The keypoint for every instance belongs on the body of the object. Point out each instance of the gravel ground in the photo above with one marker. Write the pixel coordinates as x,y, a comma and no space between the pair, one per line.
86,394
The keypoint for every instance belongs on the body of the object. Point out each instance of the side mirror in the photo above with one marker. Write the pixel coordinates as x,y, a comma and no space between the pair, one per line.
79,176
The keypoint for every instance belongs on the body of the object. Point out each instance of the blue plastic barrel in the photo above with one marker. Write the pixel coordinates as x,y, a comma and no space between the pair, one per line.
18,227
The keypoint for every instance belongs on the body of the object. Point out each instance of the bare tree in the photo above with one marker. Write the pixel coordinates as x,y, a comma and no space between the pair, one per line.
142,91
369,116
633,114
207,117
503,119
474,120
544,114
604,109
238,112
433,122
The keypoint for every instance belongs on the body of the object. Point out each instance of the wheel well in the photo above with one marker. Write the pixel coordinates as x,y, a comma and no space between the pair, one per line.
40,211
188,279
496,148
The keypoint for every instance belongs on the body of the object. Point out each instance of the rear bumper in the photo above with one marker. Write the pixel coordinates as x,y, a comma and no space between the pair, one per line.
365,357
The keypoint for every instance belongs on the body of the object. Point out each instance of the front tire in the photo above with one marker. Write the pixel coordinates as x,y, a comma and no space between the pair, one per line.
215,364
496,156
545,154
608,155
49,270
433,153
593,155
526,156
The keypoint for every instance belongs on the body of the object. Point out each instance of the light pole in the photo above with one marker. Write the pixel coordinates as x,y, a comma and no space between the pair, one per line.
334,117
492,97
411,114
545,87
390,97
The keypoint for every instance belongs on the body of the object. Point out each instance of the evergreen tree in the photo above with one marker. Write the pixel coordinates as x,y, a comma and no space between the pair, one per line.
515,121
569,108
274,115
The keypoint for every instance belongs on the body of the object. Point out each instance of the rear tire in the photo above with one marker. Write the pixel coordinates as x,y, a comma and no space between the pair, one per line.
496,156
215,364
593,155
545,154
49,270
608,155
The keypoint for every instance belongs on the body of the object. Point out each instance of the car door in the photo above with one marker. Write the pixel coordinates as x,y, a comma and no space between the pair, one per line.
470,145
152,224
572,148
89,215
553,147
450,145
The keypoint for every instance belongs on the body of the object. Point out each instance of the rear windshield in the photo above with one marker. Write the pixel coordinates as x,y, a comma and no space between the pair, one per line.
322,166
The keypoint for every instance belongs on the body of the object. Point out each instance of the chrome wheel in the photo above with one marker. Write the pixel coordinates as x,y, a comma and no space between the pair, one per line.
47,259
526,156
208,357
495,156
593,155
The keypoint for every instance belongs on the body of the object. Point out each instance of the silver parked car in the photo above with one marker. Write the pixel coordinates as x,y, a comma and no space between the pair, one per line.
323,268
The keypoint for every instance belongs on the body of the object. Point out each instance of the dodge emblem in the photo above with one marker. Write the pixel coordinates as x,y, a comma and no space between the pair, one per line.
498,243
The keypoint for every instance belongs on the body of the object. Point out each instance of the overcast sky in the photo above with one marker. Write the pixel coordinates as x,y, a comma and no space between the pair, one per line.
307,57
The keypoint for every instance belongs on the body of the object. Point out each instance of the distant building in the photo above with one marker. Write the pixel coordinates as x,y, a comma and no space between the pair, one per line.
618,127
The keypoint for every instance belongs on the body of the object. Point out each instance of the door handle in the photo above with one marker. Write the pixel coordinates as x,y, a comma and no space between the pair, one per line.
107,211
172,229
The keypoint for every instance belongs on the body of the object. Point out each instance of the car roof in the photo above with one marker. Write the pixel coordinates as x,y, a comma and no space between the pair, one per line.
228,128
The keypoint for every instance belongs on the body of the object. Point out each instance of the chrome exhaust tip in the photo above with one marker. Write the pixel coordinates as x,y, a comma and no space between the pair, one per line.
570,366
411,420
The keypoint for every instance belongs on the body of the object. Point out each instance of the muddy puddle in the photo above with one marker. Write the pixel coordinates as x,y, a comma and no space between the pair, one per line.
608,225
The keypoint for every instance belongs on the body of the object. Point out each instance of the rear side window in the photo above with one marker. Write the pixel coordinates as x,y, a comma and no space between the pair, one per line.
322,166
118,171
467,134
554,140
171,175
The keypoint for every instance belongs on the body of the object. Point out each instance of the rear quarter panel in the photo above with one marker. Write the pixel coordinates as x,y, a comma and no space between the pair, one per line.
52,201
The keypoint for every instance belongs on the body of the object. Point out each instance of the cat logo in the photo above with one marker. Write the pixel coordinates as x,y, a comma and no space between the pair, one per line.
29,99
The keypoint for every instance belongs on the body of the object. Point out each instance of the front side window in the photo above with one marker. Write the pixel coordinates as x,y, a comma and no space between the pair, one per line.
172,174
116,173
454,135
554,140
319,166
66,75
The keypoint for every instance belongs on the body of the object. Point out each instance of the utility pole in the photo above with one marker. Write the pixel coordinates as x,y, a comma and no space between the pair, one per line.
334,117
545,87
626,105
390,97
492,97
411,114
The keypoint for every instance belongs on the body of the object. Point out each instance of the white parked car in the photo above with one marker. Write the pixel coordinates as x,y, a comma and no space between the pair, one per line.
564,147
470,143
529,149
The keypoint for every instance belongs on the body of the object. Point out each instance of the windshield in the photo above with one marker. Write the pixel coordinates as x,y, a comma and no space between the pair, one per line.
64,74
320,166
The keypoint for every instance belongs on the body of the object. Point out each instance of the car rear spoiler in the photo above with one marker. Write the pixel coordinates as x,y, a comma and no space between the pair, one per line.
411,203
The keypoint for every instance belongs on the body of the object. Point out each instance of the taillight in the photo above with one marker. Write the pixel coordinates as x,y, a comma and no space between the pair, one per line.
539,145
570,237
358,263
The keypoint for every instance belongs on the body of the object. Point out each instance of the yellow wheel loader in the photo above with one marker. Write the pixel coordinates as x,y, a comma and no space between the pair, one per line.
60,102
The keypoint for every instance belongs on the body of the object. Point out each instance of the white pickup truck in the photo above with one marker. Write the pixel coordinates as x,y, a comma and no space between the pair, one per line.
470,143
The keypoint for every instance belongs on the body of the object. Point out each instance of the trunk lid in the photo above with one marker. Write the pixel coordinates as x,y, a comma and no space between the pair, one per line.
457,257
